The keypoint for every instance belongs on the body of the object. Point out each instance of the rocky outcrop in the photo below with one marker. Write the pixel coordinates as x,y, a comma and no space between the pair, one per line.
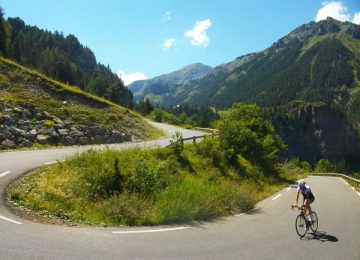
315,131
24,125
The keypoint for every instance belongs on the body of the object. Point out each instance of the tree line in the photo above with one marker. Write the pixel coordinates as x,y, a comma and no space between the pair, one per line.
60,57
183,114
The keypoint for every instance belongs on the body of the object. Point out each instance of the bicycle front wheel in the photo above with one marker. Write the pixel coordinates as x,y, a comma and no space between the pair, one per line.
315,223
300,226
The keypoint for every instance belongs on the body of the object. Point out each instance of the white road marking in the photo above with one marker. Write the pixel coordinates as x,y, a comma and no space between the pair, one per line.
288,189
276,197
49,163
358,193
149,231
353,188
5,173
10,220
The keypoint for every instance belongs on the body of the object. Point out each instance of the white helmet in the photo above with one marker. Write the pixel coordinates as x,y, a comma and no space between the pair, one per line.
301,183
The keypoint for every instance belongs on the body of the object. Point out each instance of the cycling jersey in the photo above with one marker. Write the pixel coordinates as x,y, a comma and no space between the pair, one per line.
306,193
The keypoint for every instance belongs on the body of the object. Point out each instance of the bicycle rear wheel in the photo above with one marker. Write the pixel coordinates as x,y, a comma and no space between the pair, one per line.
314,225
300,225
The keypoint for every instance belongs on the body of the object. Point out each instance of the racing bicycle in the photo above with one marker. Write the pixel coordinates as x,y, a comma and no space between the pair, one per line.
302,225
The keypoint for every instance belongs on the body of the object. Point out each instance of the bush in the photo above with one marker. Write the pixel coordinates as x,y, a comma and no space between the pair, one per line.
148,177
324,165
177,144
243,131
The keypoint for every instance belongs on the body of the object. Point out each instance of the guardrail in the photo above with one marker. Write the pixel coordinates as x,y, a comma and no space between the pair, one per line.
200,137
354,182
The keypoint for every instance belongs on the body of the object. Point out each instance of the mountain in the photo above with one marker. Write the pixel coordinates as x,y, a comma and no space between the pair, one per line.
36,111
164,88
315,68
312,63
62,58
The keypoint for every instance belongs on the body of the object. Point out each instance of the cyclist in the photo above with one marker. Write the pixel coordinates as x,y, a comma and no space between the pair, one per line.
308,198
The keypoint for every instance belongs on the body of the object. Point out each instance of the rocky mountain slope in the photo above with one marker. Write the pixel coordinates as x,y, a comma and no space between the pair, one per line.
38,111
163,88
314,131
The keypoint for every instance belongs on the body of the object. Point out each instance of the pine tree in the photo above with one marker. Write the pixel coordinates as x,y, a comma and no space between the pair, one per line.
3,34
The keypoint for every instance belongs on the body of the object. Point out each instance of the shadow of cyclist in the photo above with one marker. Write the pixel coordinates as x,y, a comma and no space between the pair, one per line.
322,236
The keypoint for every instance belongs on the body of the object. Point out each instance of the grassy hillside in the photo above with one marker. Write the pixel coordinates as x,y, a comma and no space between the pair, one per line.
62,58
33,105
175,184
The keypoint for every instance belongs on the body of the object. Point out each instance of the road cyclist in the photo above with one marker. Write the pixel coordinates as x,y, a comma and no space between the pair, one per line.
308,198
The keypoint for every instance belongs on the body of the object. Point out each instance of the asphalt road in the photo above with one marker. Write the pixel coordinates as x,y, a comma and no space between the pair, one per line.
266,233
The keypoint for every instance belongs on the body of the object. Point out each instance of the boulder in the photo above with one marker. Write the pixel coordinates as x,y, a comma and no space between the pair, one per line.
9,121
39,116
4,129
17,131
26,143
116,133
18,110
84,140
26,104
63,131
52,133
2,137
76,133
69,140
8,144
43,139
59,126
33,132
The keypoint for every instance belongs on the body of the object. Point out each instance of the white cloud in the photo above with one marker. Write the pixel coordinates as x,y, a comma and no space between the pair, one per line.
168,43
167,16
356,18
198,34
335,10
130,78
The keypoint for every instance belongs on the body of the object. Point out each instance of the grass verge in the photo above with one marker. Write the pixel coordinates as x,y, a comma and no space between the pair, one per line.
147,187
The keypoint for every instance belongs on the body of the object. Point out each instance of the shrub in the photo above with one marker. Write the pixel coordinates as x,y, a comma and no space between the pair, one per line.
177,144
244,131
148,176
324,165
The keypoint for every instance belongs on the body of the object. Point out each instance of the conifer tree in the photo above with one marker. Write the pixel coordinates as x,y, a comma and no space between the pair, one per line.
3,34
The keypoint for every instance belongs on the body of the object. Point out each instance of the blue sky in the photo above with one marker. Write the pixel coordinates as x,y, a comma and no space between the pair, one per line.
153,37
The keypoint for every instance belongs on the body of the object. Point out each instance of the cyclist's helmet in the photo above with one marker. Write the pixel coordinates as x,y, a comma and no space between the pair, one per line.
301,183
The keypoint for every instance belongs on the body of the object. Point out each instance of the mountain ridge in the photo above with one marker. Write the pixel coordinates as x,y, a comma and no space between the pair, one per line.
214,87
168,83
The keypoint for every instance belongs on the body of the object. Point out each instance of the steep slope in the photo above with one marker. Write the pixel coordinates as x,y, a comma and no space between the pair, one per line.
312,63
63,58
36,111
163,88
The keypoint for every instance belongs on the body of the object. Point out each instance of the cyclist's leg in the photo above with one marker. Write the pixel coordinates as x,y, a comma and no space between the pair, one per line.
307,207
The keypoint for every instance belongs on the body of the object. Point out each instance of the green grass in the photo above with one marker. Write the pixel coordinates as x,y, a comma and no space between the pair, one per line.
20,84
146,187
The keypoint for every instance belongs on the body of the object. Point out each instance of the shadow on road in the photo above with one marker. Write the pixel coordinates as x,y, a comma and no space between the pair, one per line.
322,236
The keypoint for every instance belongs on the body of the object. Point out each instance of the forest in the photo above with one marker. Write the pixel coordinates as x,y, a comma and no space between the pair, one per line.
60,57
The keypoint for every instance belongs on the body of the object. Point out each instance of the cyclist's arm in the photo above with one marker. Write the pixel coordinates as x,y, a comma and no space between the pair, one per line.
296,199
